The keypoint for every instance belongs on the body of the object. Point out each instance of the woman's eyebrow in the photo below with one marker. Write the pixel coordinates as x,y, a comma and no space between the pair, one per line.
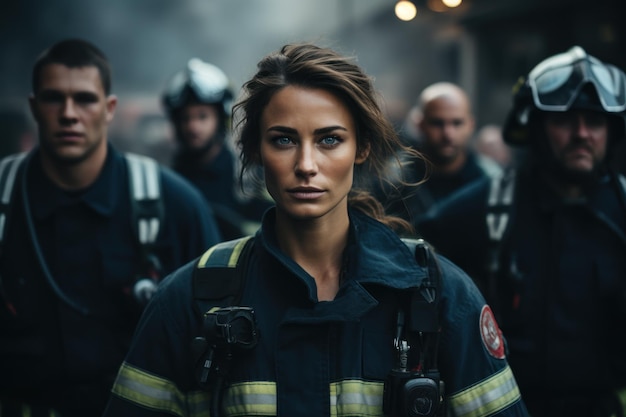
321,130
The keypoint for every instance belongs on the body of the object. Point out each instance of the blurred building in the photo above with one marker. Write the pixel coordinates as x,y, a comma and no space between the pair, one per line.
486,45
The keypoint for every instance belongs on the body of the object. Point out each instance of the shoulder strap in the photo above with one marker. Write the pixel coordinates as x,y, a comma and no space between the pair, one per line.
622,182
499,202
490,167
145,193
424,303
423,317
498,219
9,166
219,275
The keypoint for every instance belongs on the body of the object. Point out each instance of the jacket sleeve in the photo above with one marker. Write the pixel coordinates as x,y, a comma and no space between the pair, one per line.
157,376
477,376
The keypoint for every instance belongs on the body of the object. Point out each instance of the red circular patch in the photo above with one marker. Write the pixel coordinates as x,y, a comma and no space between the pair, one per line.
491,333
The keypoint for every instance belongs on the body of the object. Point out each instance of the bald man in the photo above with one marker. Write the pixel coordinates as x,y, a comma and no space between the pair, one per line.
444,120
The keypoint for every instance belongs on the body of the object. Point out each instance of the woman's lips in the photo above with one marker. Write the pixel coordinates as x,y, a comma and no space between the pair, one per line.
306,193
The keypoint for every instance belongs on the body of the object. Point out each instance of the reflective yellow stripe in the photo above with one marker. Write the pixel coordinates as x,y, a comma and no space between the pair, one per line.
356,398
250,398
347,398
234,257
487,397
231,248
157,393
205,257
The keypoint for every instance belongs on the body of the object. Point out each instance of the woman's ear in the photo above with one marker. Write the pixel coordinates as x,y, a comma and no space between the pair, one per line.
362,154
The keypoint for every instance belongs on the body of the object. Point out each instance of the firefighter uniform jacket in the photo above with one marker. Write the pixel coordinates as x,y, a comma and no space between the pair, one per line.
317,358
559,290
55,360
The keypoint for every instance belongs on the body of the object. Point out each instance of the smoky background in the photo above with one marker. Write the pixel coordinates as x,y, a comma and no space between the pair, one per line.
483,45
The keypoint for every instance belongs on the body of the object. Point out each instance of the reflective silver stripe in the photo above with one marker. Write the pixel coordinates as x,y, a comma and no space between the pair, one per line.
7,181
15,161
356,398
496,224
156,393
487,397
144,174
502,187
250,398
148,230
622,181
3,220
347,398
144,178
500,194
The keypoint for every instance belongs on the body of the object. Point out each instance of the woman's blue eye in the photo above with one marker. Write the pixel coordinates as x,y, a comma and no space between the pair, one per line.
282,140
330,140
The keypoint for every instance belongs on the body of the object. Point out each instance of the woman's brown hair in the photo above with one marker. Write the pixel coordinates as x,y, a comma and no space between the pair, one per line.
311,66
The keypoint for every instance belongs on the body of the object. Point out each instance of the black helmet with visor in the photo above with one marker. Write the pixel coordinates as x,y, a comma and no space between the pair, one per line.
199,82
570,80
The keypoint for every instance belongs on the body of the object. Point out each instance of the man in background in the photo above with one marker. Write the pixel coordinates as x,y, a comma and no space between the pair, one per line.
82,250
546,242
445,123
198,103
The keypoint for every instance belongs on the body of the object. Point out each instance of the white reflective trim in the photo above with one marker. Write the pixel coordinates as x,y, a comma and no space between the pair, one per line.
144,177
497,225
502,188
148,230
2,222
143,230
354,398
153,230
149,390
622,181
144,173
499,201
488,397
15,162
151,171
136,176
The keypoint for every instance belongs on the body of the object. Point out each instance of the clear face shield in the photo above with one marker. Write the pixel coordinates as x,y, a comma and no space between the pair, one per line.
557,82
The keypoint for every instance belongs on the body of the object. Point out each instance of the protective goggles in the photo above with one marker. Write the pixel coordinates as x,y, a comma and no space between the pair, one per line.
556,82
206,81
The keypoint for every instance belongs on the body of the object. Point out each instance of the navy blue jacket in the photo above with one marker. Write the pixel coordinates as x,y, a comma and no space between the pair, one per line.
50,354
559,294
413,202
317,358
217,183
